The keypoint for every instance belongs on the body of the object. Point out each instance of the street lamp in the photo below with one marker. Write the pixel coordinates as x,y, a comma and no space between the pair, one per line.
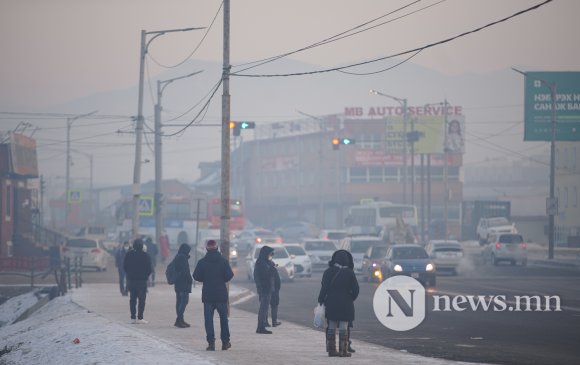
403,103
69,122
552,203
139,126
158,199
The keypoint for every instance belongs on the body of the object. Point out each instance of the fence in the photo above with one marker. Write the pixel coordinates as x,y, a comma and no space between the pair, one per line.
32,267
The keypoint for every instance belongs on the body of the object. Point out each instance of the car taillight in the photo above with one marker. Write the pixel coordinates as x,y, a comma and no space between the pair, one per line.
498,245
524,245
258,240
279,240
96,250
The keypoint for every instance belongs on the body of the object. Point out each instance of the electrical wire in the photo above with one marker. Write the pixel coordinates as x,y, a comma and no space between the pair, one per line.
196,47
431,45
195,105
383,70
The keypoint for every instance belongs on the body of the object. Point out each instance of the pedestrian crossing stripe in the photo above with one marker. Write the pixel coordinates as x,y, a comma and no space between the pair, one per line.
146,206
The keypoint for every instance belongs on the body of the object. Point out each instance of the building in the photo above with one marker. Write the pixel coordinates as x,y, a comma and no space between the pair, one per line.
567,185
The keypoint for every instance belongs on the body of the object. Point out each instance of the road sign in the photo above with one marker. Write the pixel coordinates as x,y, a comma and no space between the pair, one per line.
146,206
538,106
74,196
551,206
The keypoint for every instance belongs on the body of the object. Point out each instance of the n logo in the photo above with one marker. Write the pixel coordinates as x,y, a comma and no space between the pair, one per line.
399,303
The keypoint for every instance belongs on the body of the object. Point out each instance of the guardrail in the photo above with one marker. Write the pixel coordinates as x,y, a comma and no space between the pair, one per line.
65,271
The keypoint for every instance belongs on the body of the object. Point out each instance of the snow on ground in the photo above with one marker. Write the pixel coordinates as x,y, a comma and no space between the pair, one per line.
48,337
14,307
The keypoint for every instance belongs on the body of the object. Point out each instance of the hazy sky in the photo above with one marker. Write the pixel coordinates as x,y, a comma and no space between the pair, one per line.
54,51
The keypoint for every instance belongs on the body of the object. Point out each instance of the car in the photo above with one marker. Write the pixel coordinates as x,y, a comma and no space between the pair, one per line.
301,260
281,259
372,263
319,251
297,230
333,234
248,238
410,260
446,254
488,226
358,246
506,247
90,250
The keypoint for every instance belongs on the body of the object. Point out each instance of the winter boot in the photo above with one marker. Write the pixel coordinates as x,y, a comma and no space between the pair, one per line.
343,346
185,323
210,346
350,349
179,323
226,345
331,345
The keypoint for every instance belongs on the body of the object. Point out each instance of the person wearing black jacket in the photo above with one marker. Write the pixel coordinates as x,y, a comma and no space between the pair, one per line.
275,299
137,266
264,277
338,292
183,283
214,272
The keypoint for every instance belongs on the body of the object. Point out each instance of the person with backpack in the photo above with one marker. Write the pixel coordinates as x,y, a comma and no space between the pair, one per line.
181,278
137,266
338,292
214,271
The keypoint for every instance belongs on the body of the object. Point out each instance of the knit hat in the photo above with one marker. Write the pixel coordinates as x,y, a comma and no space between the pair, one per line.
211,245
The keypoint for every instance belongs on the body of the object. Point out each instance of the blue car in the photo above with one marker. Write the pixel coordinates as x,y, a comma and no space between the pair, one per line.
410,260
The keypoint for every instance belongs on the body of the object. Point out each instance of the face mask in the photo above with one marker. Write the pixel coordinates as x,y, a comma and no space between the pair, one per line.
270,258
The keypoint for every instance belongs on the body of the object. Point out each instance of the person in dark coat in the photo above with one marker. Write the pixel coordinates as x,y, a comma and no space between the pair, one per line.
137,266
275,300
183,283
214,272
152,251
119,260
350,265
338,292
264,277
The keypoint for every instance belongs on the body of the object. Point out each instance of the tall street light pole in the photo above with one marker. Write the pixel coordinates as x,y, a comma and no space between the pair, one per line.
139,127
403,103
69,122
158,198
552,203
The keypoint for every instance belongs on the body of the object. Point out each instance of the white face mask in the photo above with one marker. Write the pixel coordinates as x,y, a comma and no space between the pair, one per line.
270,258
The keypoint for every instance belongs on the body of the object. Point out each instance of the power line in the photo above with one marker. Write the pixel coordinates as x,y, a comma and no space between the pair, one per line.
431,45
195,105
383,70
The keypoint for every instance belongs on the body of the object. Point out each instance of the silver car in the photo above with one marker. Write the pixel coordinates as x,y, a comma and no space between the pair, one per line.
506,247
446,254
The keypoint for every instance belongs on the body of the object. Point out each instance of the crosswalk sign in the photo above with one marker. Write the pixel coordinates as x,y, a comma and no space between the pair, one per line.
74,196
146,206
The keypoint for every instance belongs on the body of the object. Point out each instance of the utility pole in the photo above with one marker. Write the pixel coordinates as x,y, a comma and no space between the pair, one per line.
225,178
445,172
412,163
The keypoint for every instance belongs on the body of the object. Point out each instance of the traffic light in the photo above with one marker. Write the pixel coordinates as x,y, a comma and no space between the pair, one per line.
238,126
336,142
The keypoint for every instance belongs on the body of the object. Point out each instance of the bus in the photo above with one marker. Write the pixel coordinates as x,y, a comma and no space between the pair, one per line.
237,218
381,218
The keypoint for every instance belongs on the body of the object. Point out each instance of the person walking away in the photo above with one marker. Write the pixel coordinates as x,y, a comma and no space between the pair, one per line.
351,266
183,283
214,271
264,272
275,300
152,251
119,260
338,292
164,246
137,266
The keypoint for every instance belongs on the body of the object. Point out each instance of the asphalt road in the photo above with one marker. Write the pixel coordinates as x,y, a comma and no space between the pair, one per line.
502,337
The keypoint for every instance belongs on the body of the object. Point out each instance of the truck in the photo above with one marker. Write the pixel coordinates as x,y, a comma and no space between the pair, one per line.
473,210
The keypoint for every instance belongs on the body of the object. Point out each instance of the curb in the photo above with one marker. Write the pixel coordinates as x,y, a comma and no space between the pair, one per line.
545,262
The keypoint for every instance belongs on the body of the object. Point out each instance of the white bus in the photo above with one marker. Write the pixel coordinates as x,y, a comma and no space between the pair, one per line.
379,217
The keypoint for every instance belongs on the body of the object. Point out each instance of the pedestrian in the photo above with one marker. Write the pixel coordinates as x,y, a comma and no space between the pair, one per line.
119,261
214,271
137,266
275,300
152,251
164,246
264,277
338,292
183,283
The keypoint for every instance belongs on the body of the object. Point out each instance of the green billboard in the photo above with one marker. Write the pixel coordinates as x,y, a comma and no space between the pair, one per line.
538,106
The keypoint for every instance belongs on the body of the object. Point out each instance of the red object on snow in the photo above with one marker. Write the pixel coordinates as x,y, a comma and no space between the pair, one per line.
76,341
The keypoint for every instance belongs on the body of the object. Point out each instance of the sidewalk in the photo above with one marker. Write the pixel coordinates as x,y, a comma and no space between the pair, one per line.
290,343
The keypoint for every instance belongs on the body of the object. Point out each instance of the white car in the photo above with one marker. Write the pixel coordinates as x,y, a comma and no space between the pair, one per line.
320,252
446,254
334,235
358,246
506,247
488,226
302,263
89,250
281,258
248,238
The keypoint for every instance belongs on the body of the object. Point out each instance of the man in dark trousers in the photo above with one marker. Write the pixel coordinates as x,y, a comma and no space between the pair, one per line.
264,277
119,261
214,272
182,284
137,266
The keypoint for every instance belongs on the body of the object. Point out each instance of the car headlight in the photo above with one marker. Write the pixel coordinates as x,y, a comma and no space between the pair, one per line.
374,264
234,253
429,267
314,258
398,268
